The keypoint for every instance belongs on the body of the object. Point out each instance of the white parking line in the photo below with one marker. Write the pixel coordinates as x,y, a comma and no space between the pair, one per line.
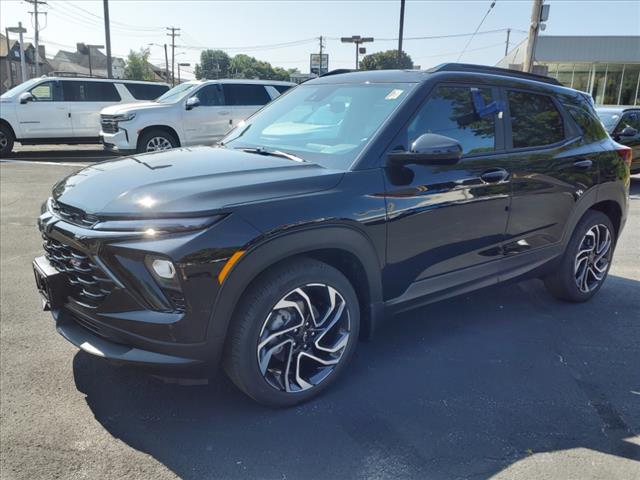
64,164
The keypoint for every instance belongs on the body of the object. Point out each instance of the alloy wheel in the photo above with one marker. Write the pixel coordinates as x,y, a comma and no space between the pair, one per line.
593,257
156,144
303,338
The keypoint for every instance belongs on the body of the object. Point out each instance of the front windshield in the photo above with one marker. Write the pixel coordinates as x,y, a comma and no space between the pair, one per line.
609,119
19,88
176,93
326,124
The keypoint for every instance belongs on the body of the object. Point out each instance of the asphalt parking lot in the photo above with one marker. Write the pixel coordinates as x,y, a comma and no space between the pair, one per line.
506,382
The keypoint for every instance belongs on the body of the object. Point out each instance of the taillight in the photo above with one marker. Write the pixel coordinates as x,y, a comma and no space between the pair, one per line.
625,154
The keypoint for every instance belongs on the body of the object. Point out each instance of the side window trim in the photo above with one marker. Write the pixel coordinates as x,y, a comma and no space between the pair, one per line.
571,130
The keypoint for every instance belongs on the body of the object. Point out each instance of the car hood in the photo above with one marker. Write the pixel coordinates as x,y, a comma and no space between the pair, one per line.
188,181
120,109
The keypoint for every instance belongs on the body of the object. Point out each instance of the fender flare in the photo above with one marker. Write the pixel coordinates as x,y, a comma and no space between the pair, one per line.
267,252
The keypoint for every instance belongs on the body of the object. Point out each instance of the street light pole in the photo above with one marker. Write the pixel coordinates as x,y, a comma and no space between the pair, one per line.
182,65
358,40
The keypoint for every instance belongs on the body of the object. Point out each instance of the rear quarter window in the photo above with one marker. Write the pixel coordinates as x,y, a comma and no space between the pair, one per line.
585,117
141,91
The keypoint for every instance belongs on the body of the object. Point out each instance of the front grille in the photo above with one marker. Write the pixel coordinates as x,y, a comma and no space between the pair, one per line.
73,215
89,285
108,124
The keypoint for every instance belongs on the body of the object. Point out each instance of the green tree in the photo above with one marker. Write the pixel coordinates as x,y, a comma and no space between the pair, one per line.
213,64
137,66
386,61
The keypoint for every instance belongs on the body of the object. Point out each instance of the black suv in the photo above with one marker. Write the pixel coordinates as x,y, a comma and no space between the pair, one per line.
350,197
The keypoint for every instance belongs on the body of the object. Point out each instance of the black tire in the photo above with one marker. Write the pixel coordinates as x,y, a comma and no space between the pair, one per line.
562,283
161,135
6,141
257,307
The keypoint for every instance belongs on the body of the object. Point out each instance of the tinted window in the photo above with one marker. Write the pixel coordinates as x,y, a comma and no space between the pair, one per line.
140,91
210,96
450,111
629,119
535,120
44,92
90,92
281,88
246,94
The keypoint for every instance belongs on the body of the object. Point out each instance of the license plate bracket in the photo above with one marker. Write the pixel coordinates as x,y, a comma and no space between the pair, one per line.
51,284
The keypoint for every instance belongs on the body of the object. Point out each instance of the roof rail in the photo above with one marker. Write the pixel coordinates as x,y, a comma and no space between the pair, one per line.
467,67
71,75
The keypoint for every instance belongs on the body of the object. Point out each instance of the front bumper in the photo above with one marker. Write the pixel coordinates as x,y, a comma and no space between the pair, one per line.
113,309
82,337
123,141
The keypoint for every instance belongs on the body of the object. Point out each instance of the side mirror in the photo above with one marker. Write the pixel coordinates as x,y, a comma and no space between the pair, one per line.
628,131
27,97
429,149
192,102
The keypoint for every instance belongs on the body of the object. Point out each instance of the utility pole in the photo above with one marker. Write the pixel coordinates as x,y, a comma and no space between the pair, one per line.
166,63
400,33
107,35
358,40
36,27
173,36
534,28
23,66
506,46
320,67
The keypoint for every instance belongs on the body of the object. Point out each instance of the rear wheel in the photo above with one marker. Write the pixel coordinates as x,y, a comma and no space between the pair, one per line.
293,334
6,140
156,141
586,261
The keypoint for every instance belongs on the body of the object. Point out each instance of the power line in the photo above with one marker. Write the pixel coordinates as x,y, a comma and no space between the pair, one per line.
493,4
124,25
273,46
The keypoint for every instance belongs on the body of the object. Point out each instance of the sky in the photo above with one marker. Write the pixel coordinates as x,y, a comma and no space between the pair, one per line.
284,33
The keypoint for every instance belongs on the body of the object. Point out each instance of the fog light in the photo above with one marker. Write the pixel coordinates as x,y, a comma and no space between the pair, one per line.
163,268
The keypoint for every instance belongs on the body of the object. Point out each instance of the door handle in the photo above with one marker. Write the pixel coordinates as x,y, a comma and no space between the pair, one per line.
495,175
224,113
583,164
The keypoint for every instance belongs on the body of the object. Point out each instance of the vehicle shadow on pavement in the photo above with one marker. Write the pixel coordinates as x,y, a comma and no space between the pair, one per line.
462,388
67,155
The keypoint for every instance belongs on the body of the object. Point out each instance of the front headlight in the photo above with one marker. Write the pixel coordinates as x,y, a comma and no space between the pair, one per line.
125,117
157,226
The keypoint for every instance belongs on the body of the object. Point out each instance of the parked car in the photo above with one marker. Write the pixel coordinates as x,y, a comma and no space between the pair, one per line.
58,110
351,197
623,124
192,113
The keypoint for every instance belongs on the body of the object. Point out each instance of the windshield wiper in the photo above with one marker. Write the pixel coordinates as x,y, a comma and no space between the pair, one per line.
272,153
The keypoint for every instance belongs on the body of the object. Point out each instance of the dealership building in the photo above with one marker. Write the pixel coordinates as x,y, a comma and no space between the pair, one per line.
607,67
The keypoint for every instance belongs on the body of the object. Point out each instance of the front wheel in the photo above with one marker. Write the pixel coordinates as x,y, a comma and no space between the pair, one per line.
156,141
585,264
293,334
6,141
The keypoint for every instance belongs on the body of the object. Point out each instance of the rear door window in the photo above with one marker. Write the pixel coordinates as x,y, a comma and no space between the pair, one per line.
453,112
78,91
141,91
245,94
281,88
535,120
